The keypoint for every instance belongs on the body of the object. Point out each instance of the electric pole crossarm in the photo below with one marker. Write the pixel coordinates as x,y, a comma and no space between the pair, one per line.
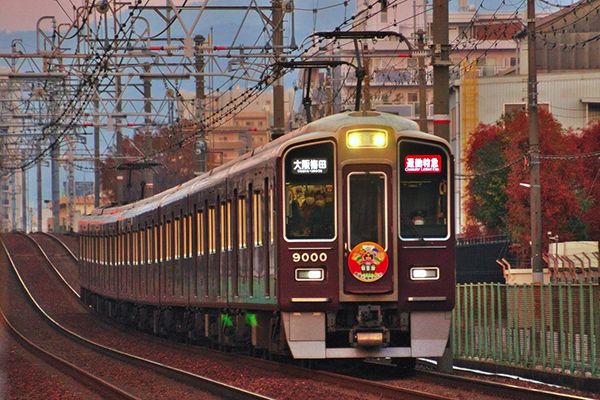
363,35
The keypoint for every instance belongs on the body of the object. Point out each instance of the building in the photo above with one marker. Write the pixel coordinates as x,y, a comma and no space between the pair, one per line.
244,132
239,132
11,200
392,81
567,74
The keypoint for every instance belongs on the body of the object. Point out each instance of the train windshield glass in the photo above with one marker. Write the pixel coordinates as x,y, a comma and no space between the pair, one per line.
309,179
423,191
368,217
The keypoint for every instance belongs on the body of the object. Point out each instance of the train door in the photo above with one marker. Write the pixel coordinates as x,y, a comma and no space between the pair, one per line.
368,233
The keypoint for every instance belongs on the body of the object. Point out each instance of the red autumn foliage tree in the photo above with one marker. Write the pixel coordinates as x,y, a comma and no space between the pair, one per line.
176,162
505,200
589,145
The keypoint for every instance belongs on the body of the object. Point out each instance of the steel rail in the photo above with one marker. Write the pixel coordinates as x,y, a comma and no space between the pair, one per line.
94,383
501,389
197,381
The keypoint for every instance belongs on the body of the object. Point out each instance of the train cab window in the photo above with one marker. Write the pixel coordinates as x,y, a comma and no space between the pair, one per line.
423,191
309,194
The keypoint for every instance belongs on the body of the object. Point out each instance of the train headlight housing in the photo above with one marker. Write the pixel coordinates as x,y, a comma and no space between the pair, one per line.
424,273
310,274
362,138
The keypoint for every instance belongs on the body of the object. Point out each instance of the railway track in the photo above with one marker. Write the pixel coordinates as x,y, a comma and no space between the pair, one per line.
380,385
106,369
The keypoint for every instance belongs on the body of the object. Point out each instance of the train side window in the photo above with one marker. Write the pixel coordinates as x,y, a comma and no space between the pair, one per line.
229,231
309,195
127,248
143,246
156,243
177,237
111,249
168,241
212,227
223,226
258,221
271,211
119,248
242,234
184,241
159,242
424,178
200,232
133,247
102,250
190,229
149,244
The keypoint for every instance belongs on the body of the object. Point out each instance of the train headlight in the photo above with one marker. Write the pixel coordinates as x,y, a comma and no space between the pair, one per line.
354,139
310,274
379,139
367,138
424,273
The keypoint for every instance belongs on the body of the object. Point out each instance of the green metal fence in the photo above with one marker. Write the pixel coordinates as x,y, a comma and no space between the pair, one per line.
550,327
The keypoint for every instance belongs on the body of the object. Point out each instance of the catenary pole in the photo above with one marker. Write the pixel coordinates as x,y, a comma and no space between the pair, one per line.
534,150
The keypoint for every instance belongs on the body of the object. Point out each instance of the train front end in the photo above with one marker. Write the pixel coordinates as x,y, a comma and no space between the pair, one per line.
366,253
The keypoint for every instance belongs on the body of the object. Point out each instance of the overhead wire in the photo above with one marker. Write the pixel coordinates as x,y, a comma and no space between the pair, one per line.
72,104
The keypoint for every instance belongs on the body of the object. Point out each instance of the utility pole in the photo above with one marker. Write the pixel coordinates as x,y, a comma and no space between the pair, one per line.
148,189
200,107
96,157
441,106
367,81
55,154
534,150
441,76
24,197
70,189
422,82
278,128
40,201
119,196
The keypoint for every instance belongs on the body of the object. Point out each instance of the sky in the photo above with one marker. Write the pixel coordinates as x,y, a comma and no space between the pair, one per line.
23,15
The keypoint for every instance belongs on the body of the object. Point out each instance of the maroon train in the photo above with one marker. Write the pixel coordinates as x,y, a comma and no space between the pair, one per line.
334,241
